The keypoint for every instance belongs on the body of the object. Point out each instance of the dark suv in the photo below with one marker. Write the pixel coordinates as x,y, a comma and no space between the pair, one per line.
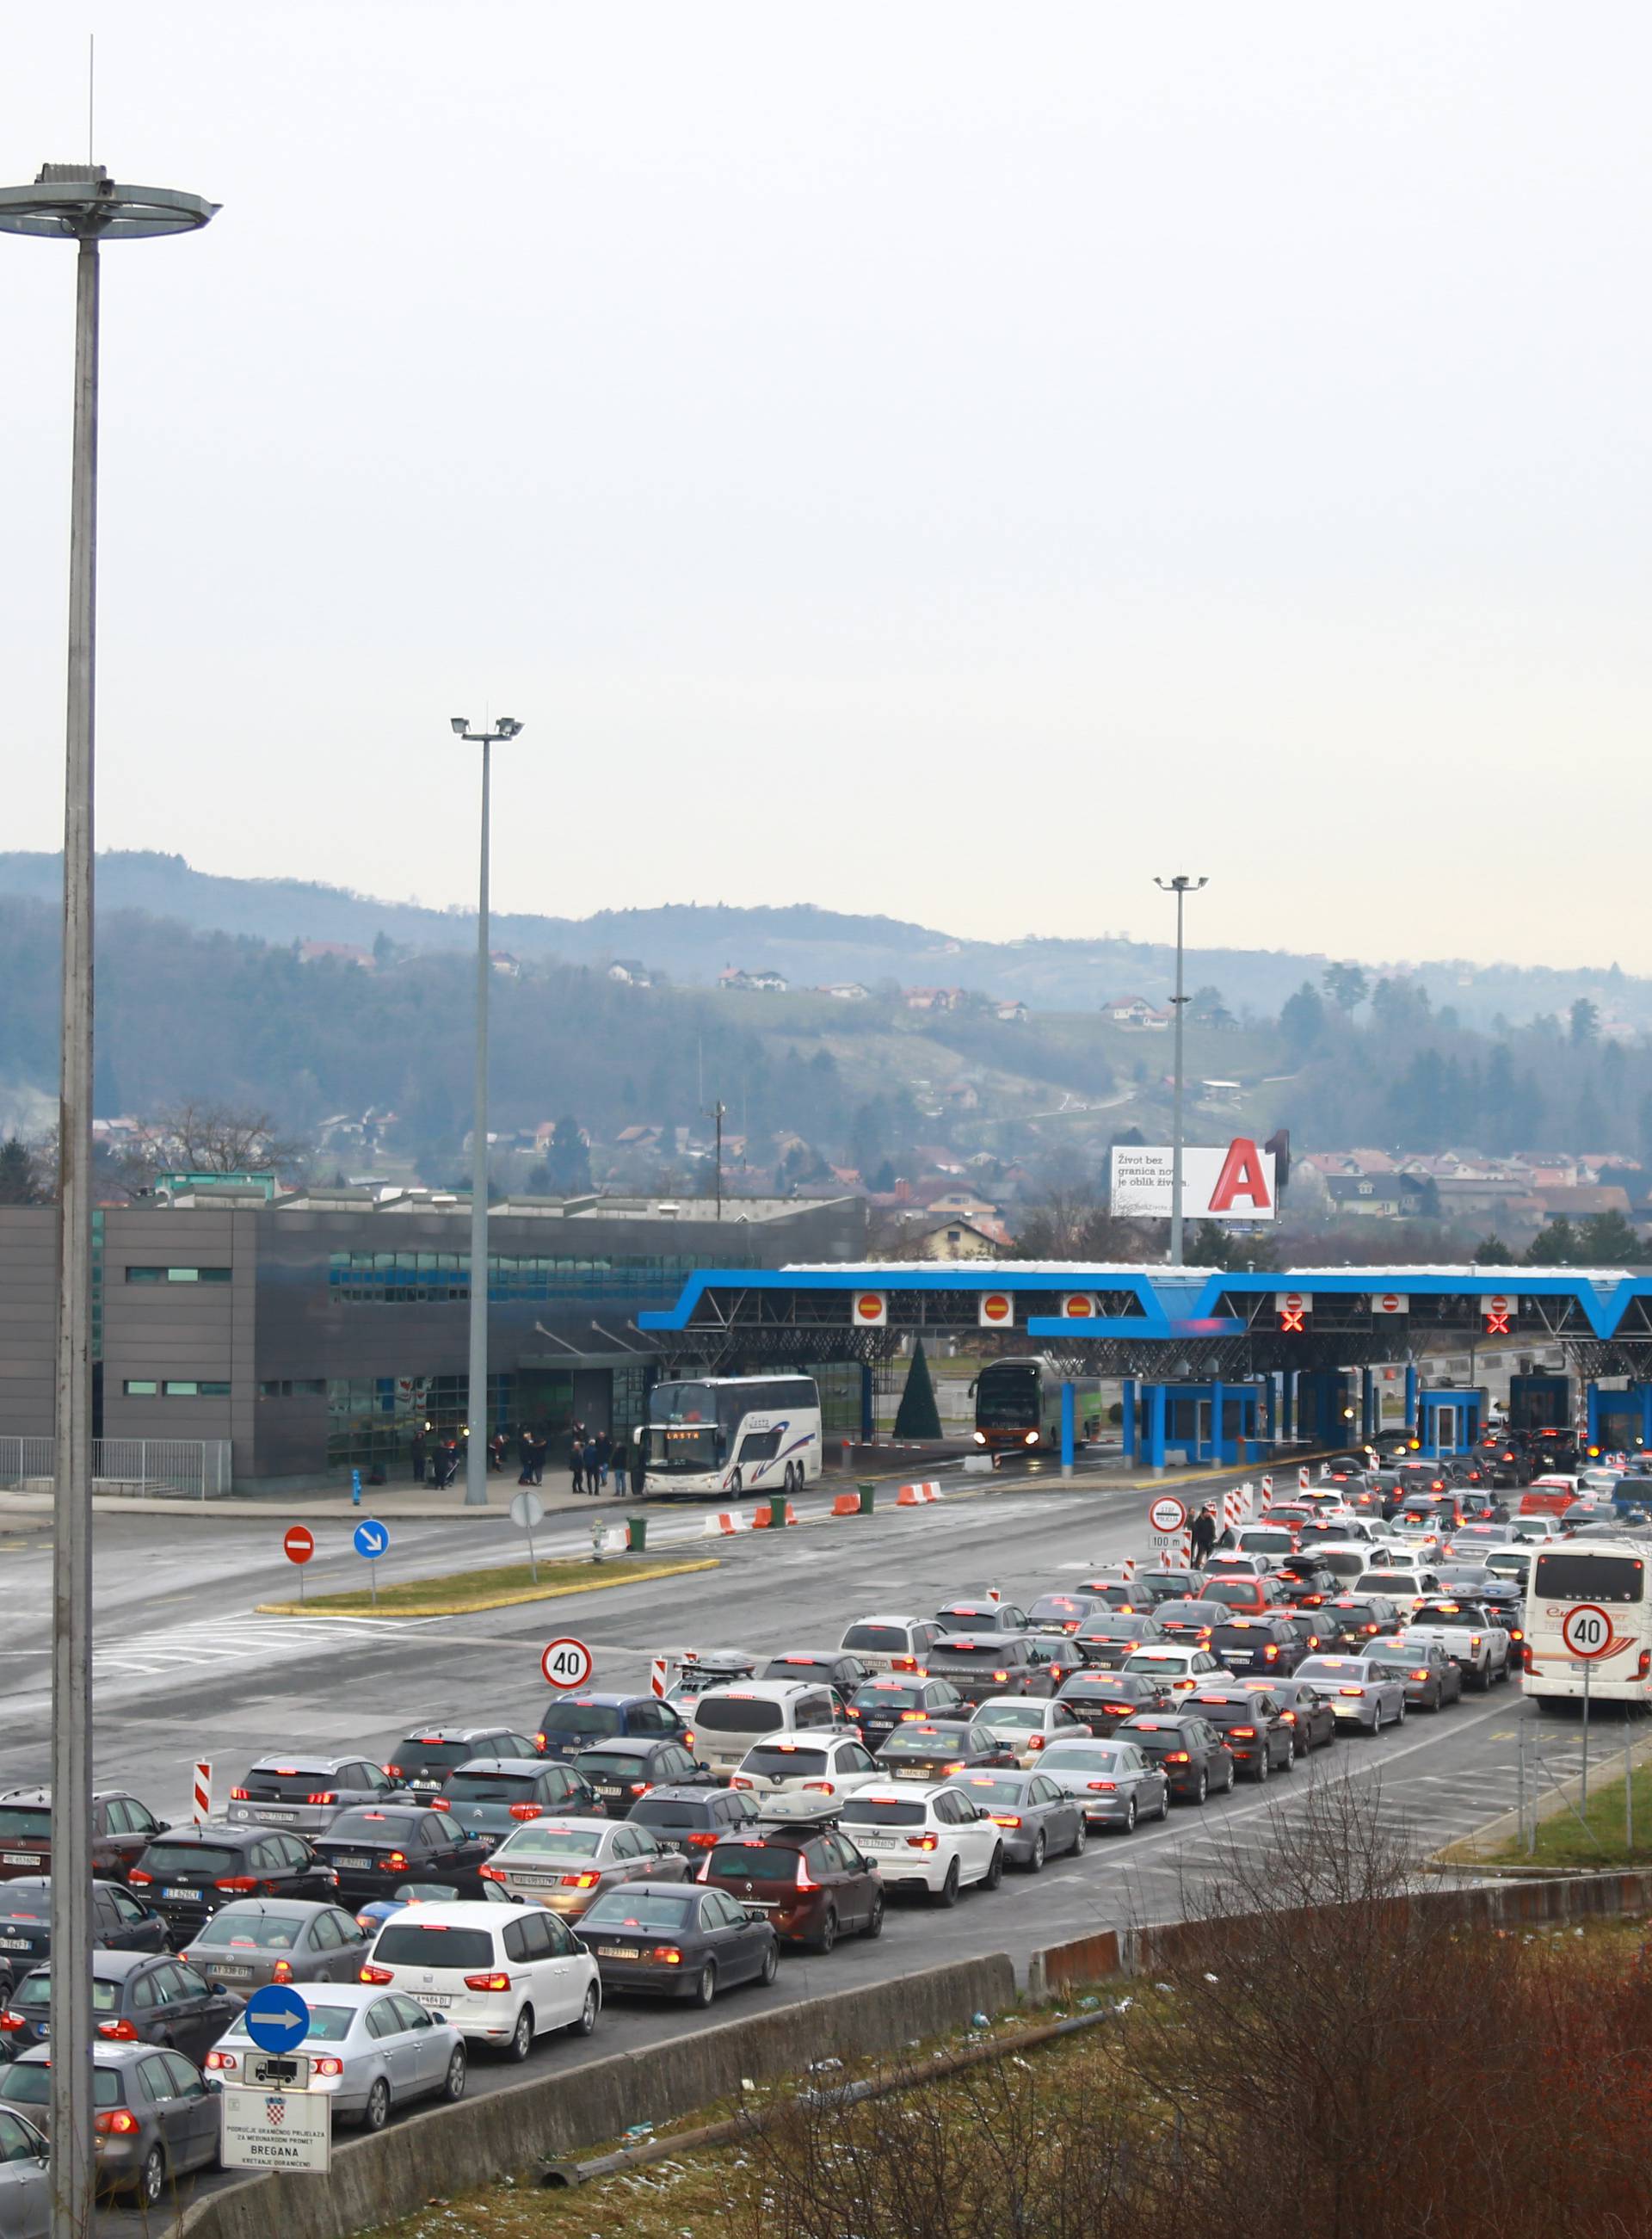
575,1722
1187,1746
120,1829
1253,1724
1107,1638
983,1664
422,1763
1104,1700
882,1705
806,1875
190,1872
1258,1645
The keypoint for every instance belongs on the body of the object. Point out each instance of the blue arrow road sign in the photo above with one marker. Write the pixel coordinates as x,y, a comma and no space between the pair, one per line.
277,2018
371,1539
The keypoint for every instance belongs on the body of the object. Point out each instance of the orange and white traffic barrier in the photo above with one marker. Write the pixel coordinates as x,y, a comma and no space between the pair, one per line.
847,1504
201,1789
1122,1572
917,1496
725,1522
764,1517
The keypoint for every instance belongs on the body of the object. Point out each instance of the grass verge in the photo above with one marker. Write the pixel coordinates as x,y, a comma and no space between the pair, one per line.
461,1591
1594,1838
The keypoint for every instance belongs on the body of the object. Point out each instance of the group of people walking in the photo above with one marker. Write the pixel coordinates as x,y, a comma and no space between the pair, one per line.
592,1456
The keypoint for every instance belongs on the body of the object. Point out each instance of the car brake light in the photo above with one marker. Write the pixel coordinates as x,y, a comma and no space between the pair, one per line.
1351,1691
394,1864
703,1841
921,1841
952,1769
237,1884
572,1881
221,2060
370,1974
1102,1787
10,2023
1035,1741
820,1787
1422,1674
667,1955
438,1803
737,1780
322,1795
281,1972
117,2122
124,2032
1000,1675
395,1771
528,1810
238,1795
488,1982
1242,1733
1645,1661
1006,1818
140,1877
1474,1640
908,1716
1178,1757
491,1873
1287,1717
804,1879
328,2066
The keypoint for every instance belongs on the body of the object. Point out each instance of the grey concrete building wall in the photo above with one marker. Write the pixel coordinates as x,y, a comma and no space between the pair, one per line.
28,1319
168,1322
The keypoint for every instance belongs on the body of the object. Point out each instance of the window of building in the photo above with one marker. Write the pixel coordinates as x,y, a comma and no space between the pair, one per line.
294,1387
177,1274
192,1387
139,1387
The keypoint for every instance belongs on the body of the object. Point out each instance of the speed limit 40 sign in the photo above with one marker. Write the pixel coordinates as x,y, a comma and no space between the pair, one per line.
566,1662
1586,1631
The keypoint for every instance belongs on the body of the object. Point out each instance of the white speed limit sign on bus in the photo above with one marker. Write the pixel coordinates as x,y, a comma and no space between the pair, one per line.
1586,1631
566,1662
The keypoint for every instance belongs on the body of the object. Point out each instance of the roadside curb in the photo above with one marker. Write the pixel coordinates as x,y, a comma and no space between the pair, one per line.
468,1604
1507,1825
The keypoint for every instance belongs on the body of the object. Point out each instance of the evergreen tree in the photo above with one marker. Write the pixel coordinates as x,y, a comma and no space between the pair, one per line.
1492,1252
1585,1023
19,1179
568,1159
1555,1246
918,1417
1302,1021
1606,1239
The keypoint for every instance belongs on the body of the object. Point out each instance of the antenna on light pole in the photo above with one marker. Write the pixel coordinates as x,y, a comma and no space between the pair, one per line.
1181,886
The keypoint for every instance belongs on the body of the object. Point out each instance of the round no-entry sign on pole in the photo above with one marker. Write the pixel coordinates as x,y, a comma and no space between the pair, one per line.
567,1664
1167,1514
1586,1631
298,1544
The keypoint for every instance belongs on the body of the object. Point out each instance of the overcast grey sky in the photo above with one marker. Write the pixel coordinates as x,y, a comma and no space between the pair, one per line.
948,459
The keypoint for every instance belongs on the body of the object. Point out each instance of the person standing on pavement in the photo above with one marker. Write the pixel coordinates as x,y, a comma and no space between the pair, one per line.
496,1451
576,1456
604,1454
1203,1534
417,1450
525,1454
541,1446
590,1465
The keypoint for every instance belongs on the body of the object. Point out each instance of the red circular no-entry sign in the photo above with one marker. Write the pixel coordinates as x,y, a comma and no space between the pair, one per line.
298,1544
1167,1514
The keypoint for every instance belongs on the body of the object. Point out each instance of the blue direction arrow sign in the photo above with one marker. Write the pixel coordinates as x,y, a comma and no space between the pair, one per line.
371,1539
277,2018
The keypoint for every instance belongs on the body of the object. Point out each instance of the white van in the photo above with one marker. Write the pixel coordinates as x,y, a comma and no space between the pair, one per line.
728,1720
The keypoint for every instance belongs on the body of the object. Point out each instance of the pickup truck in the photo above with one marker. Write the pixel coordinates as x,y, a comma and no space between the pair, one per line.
1470,1635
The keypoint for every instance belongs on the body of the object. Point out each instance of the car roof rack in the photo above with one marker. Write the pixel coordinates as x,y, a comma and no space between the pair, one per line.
789,1811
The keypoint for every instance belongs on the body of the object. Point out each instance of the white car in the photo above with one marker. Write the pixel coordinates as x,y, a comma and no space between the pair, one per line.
1028,1725
1229,1564
369,2049
890,1643
503,1974
1275,1540
830,1764
1405,1584
1181,1669
935,1837
1536,1528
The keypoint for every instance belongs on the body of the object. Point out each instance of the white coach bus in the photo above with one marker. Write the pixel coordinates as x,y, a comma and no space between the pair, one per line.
732,1435
1600,1585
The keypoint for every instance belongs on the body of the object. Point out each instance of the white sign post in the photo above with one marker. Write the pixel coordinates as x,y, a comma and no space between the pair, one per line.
526,1510
276,2129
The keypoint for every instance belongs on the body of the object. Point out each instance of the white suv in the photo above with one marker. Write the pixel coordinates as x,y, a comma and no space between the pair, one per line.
501,1973
936,1835
827,1765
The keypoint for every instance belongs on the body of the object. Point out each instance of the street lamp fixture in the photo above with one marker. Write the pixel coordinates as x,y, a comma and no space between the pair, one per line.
1181,886
476,1431
78,202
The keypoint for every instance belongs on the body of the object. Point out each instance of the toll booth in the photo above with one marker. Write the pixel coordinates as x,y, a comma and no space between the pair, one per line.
1540,1403
1619,1422
1327,1415
1448,1422
1190,1422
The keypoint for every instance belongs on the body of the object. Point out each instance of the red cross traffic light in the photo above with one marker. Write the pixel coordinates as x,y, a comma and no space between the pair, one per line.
1497,1325
1291,1319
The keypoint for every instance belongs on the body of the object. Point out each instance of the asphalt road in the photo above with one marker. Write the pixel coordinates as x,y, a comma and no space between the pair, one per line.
184,1668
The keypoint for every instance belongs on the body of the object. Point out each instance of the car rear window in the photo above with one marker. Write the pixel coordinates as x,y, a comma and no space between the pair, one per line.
1079,1756
876,1812
592,1721
1234,1592
913,1741
880,1639
28,2083
738,1714
273,1931
287,1787
1059,1609
883,1697
636,1907
1113,1628
611,1764
189,1861
35,1991
660,1811
421,1944
364,1824
970,1655
776,1762
329,2025
755,1862
542,1841
488,1787
24,1819
415,1756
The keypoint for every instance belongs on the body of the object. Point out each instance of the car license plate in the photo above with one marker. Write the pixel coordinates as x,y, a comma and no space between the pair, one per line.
432,1997
537,1881
356,1865
602,1788
185,1895
270,1812
233,1973
618,1951
14,1943
44,2028
913,1773
875,1842
20,1858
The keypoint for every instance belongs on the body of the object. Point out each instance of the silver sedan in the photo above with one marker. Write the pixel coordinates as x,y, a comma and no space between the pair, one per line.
370,2049
1361,1694
566,1864
1040,1820
261,1939
1114,1782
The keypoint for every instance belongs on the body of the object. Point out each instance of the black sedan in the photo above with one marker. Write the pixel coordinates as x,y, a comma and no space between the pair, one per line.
120,1923
1251,1721
1105,1699
1189,1748
1149,1588
137,1997
935,1752
189,1873
1190,1620
619,1772
1352,1620
375,1846
1307,1706
882,1705
682,1942
1262,1646
1107,1638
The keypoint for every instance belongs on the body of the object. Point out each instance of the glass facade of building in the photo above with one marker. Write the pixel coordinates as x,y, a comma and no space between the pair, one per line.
442,1278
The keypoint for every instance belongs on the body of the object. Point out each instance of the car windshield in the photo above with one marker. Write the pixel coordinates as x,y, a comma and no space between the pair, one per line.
878,1639
875,1812
189,1861
28,2083
778,1762
588,1720
539,1841
421,1944
636,1907
264,1931
328,2025
755,1861
489,1787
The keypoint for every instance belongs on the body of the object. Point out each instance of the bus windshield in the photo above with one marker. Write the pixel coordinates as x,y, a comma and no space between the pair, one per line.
1007,1395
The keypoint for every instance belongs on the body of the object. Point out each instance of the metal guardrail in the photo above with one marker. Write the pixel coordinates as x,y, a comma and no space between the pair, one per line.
194,1469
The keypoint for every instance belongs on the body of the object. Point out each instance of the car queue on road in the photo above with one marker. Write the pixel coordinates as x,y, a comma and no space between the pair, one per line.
483,1887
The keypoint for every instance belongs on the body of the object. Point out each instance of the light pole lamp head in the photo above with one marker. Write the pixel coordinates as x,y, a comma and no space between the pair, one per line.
509,726
460,725
1181,884
80,201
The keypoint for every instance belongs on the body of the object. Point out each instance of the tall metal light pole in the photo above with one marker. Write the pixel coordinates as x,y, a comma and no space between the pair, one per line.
78,201
1181,886
476,1404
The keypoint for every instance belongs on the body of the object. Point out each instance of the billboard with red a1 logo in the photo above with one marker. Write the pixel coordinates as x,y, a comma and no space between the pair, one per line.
1235,1183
